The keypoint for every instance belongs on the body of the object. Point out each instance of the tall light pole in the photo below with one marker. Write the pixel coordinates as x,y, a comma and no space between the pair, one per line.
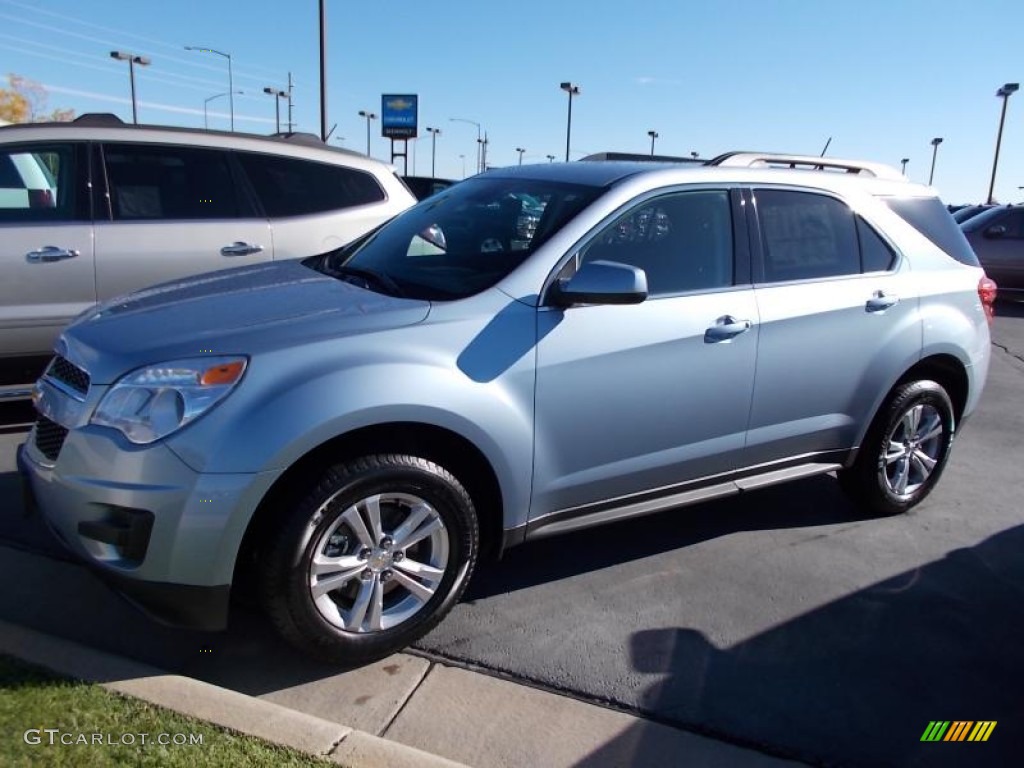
572,90
278,95
463,159
903,165
520,150
369,116
132,59
1005,93
479,140
695,155
231,82
551,158
433,148
653,135
323,80
935,150
206,122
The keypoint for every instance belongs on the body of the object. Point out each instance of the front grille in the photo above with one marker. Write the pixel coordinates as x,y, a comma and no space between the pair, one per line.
70,374
49,438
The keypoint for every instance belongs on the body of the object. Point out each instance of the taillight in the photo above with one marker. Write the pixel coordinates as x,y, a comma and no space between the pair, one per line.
987,290
40,198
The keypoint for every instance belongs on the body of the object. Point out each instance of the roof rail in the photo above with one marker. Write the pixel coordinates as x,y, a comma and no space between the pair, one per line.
98,118
807,163
299,137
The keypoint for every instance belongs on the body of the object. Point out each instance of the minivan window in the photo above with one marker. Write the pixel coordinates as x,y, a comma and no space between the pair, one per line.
155,182
37,183
806,236
290,187
929,217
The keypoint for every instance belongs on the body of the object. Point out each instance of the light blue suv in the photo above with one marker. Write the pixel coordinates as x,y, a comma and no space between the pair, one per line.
531,351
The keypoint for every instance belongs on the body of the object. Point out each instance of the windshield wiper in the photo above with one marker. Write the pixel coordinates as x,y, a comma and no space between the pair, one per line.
370,276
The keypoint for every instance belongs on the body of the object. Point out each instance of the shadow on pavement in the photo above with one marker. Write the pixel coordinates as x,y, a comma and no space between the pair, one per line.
856,682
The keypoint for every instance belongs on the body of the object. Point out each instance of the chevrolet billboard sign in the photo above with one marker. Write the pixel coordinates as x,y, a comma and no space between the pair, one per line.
398,116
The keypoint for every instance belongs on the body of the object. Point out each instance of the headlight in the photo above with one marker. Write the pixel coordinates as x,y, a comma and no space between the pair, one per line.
152,402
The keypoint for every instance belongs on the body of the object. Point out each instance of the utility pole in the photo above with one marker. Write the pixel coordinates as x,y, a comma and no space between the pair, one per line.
291,125
323,72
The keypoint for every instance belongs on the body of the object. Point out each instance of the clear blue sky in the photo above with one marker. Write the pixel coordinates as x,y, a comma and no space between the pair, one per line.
881,77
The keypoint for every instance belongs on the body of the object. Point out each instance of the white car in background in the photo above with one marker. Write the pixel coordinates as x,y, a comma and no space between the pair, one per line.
95,208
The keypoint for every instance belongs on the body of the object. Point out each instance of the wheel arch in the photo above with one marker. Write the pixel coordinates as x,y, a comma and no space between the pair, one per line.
442,446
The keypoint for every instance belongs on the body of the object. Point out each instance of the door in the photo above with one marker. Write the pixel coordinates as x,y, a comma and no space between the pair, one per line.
838,325
1000,248
640,397
173,212
46,244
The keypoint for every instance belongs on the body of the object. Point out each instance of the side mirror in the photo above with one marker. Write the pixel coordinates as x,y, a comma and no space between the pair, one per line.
601,282
995,232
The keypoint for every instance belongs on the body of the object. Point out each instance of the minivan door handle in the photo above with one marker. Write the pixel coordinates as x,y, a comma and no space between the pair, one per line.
881,301
725,328
50,253
238,248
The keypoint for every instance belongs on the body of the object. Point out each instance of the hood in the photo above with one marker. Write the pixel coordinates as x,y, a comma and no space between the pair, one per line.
237,311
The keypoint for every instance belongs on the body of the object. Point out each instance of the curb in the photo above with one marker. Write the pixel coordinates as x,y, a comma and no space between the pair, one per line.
219,706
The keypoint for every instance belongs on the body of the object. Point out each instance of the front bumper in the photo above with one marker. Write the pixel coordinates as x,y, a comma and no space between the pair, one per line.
163,535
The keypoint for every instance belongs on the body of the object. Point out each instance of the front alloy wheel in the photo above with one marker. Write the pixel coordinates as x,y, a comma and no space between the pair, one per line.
372,559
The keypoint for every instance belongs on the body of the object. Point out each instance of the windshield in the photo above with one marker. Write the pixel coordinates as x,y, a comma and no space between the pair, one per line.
464,239
983,219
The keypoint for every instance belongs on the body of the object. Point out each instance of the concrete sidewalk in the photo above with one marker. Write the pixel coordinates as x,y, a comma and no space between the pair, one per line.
404,711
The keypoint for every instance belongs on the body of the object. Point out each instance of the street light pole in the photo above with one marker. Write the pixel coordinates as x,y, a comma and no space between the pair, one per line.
551,158
433,149
520,150
479,140
903,163
231,79
278,95
132,59
572,90
1005,93
935,151
653,135
206,122
369,116
463,159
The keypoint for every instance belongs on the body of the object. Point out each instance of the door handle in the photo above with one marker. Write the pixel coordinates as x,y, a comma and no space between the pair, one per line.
725,328
50,253
238,248
881,301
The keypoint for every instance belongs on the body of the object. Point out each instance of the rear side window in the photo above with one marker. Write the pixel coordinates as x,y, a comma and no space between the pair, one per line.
37,183
806,236
875,253
290,187
929,217
149,182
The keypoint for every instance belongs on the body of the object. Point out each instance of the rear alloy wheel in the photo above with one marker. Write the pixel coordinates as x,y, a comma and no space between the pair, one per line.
905,450
372,559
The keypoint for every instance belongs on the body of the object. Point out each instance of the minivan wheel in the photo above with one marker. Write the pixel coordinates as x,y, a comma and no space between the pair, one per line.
371,559
905,450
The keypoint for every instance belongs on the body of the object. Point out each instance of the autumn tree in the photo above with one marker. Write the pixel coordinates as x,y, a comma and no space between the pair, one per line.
24,101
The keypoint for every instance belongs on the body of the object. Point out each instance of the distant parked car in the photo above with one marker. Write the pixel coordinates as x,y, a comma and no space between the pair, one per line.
96,208
997,237
425,186
960,215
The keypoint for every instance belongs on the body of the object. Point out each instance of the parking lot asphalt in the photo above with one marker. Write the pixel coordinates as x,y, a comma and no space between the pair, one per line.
783,619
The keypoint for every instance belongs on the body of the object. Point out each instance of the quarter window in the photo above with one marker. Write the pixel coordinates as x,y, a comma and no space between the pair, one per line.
682,241
806,236
156,182
875,253
290,187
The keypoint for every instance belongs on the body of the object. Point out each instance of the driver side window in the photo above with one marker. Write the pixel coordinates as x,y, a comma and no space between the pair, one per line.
683,242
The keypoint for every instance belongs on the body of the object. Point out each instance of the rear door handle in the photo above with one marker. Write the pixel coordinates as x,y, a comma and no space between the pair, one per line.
881,301
50,253
238,248
725,328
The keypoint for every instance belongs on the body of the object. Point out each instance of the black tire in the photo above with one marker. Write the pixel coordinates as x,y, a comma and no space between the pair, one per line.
873,481
324,525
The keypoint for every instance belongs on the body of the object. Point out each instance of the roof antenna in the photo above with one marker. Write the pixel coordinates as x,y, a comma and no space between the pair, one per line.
826,147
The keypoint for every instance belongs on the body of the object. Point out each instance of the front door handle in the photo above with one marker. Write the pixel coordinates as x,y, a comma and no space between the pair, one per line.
50,253
725,328
238,248
881,301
